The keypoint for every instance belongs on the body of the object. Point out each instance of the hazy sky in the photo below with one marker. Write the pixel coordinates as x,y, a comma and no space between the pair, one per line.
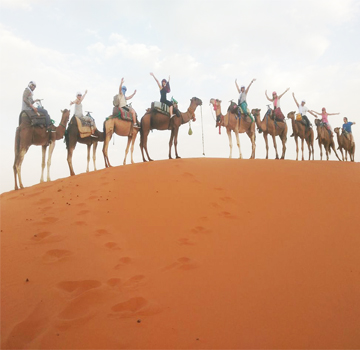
313,47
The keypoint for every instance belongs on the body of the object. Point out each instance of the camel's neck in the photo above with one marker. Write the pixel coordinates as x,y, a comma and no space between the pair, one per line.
189,114
260,124
60,130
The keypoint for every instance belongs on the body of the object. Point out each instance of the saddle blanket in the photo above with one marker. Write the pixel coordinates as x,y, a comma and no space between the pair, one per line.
122,113
86,126
35,119
160,107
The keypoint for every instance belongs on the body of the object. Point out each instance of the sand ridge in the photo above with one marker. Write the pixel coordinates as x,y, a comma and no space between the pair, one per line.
188,253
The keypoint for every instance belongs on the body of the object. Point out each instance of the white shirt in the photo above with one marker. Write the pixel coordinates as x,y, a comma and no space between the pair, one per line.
303,109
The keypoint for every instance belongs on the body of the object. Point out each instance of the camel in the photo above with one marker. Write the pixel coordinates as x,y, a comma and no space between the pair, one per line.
274,128
27,135
156,120
325,139
345,143
232,123
299,130
120,127
72,136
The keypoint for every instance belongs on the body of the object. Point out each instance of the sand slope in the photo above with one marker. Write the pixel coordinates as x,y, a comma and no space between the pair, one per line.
189,253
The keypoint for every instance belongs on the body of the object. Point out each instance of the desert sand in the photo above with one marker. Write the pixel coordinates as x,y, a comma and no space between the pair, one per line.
188,253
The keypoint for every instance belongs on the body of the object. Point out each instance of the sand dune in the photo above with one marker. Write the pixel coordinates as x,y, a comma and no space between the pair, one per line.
189,253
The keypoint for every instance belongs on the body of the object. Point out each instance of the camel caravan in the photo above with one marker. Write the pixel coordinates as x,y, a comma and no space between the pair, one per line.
37,128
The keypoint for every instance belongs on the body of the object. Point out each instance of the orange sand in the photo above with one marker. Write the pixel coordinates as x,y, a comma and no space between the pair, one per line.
189,253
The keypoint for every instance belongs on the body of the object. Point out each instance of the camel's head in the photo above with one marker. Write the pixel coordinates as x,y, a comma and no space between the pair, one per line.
337,130
256,112
215,102
196,100
317,122
65,115
291,115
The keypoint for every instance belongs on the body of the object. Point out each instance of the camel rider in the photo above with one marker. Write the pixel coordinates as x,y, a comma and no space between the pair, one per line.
78,112
324,119
123,102
28,105
164,89
242,98
276,100
347,130
302,111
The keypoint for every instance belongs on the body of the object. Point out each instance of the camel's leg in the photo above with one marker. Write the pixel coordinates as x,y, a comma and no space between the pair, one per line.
283,139
176,143
228,131
342,154
51,149
17,165
171,142
238,143
333,147
143,143
309,147
302,149
275,146
127,149
132,147
88,157
43,163
253,145
266,144
69,159
320,146
297,147
94,154
107,140
16,160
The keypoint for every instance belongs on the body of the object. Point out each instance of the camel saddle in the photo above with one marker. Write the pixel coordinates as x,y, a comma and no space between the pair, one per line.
34,118
160,107
86,127
122,113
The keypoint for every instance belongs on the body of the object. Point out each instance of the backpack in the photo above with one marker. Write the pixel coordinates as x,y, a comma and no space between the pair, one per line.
116,100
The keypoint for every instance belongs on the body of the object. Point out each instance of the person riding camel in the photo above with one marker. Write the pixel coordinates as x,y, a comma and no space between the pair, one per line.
164,89
347,130
28,105
276,100
324,119
123,102
78,112
242,99
302,111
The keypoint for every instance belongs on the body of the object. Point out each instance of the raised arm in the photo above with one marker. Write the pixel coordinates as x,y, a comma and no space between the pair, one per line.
247,90
296,101
131,96
333,113
315,112
160,87
83,96
271,100
284,92
237,86
120,87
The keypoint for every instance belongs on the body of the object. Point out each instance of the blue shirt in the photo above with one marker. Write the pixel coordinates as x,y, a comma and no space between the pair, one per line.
347,127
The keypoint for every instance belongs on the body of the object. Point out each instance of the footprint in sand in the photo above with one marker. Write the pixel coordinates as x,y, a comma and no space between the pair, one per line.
112,246
135,281
216,205
55,255
83,212
185,241
80,223
136,306
46,237
48,220
101,232
123,262
227,215
78,287
114,282
228,199
183,263
200,229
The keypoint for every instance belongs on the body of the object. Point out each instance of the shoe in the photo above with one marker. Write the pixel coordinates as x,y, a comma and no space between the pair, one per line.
94,136
136,126
292,135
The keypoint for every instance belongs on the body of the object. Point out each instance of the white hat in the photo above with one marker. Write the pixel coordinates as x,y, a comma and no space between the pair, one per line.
78,93
303,101
243,86
32,83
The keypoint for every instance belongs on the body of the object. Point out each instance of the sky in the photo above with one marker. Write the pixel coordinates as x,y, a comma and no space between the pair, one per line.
311,47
